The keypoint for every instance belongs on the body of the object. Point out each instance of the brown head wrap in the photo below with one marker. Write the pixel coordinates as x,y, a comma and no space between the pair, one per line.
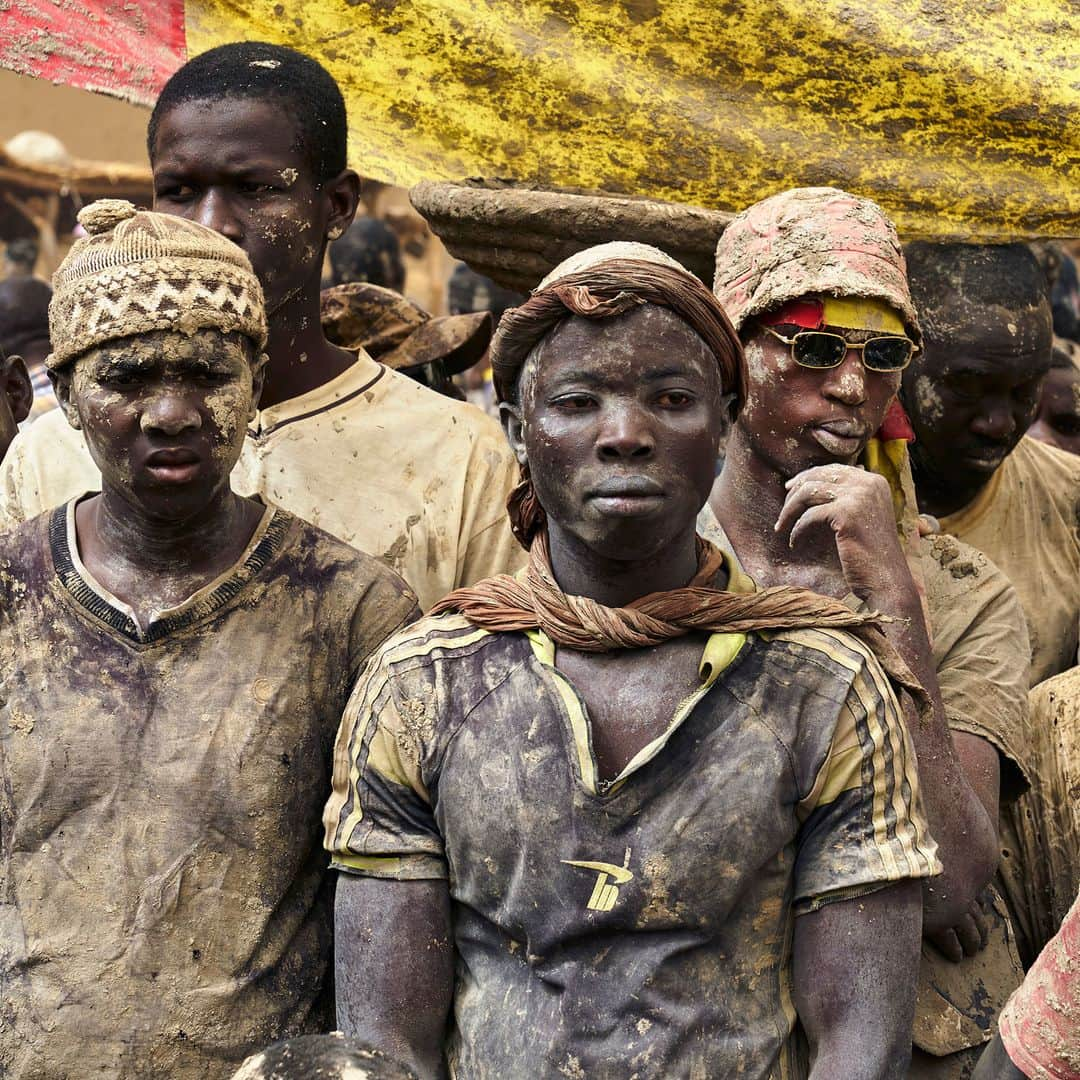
608,284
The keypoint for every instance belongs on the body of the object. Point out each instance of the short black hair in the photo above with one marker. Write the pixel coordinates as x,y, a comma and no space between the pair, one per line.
1005,275
259,70
369,251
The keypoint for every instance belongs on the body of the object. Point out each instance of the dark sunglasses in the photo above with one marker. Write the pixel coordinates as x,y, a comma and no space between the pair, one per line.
818,349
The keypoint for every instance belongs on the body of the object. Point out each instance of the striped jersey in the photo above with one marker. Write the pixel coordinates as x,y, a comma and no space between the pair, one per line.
643,926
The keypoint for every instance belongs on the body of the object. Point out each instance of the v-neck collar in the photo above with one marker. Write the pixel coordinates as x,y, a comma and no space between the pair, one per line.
719,653
93,597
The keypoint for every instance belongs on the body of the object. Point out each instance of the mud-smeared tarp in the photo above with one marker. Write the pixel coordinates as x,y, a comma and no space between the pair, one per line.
962,117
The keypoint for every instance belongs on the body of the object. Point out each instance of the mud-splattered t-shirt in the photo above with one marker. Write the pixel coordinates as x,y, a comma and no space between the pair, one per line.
1026,521
640,927
164,906
405,474
1046,821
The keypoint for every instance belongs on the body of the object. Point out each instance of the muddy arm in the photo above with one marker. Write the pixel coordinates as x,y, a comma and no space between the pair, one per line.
394,967
960,779
856,966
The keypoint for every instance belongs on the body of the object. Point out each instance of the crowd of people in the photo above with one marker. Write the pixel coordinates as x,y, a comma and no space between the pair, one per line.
553,749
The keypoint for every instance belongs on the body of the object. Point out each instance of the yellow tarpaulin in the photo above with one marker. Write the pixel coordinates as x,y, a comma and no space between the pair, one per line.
962,117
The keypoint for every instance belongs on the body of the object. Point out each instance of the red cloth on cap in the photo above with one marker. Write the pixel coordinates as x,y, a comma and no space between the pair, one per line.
809,314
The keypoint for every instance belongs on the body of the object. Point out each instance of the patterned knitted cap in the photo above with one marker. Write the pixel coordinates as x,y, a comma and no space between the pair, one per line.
137,271
810,242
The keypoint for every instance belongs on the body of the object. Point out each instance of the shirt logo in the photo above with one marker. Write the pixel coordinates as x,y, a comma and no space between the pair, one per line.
604,895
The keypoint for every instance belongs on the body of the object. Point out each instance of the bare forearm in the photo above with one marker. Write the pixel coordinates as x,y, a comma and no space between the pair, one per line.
393,967
960,818
855,971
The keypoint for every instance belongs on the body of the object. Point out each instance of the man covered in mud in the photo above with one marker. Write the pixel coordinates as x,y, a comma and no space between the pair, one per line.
620,813
249,139
971,395
174,659
816,492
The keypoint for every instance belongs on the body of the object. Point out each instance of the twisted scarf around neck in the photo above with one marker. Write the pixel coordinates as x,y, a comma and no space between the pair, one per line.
536,602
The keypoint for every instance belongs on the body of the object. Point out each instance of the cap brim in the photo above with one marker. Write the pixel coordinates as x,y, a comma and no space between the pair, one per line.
459,341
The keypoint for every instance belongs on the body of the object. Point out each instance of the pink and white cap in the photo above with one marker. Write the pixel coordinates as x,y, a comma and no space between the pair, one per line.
811,242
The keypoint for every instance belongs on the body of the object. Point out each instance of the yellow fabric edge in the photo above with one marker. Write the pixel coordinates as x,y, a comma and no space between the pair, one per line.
719,652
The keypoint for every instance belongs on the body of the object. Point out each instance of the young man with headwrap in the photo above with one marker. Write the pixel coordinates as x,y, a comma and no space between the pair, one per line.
174,660
813,280
249,139
622,814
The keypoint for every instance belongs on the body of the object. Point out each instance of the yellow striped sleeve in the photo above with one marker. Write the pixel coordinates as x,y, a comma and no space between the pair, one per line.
863,824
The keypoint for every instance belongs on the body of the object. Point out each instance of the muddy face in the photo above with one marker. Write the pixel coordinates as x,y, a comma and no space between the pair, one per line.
1057,419
238,167
795,417
974,390
622,419
164,415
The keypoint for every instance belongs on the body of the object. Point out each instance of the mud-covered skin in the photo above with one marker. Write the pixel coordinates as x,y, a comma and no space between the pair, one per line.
160,875
797,511
164,418
622,421
971,394
1057,419
238,167
783,432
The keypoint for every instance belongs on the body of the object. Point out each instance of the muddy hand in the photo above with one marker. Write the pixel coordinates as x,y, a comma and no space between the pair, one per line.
857,506
968,937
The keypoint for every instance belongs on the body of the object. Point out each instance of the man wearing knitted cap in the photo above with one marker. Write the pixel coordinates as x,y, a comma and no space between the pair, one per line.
249,139
620,814
816,492
174,659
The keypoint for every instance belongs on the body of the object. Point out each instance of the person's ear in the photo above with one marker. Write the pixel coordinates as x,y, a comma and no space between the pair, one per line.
61,381
343,194
514,426
18,388
258,379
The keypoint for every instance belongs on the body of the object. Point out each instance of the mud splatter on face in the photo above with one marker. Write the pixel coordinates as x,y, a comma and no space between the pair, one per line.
241,169
187,396
635,396
928,399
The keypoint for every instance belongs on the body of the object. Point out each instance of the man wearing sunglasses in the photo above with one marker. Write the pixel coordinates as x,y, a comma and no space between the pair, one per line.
816,492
